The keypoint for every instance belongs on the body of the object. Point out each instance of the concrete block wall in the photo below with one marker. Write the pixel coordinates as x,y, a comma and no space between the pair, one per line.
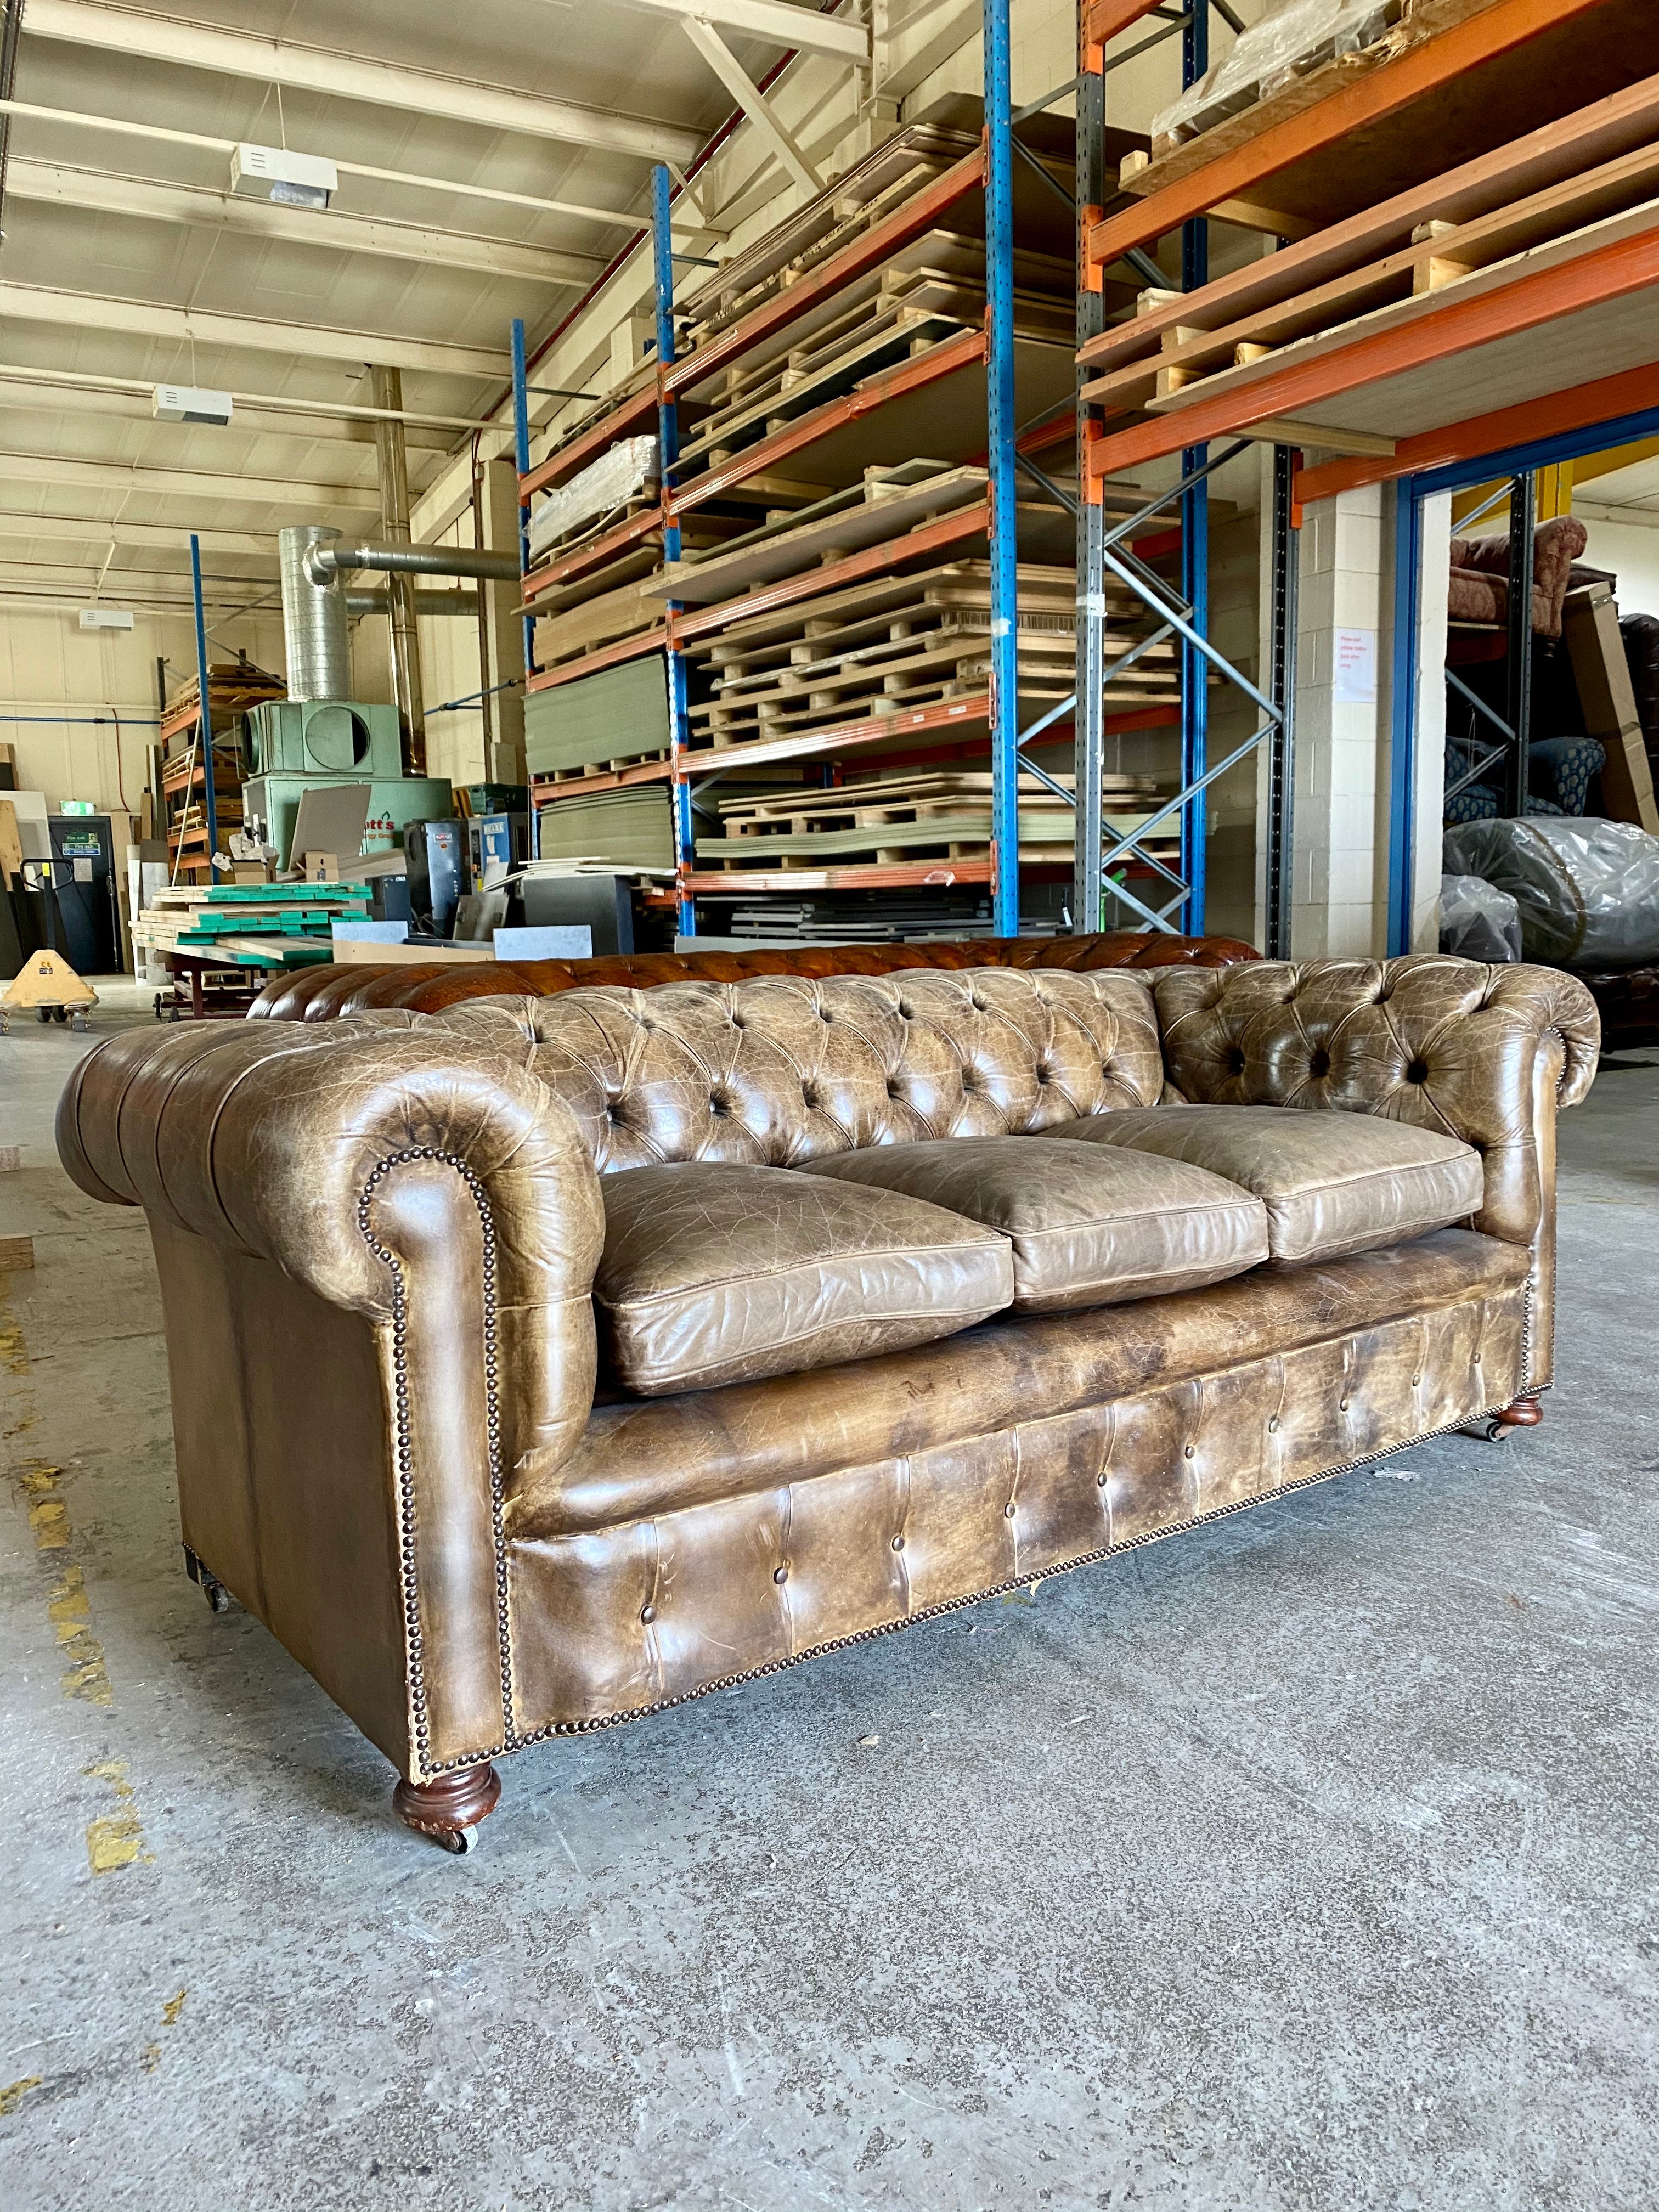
1340,820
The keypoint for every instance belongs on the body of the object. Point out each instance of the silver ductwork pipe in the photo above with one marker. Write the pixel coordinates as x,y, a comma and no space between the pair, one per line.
426,603
318,649
339,556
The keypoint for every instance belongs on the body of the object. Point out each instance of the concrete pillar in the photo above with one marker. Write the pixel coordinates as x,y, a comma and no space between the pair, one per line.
1343,653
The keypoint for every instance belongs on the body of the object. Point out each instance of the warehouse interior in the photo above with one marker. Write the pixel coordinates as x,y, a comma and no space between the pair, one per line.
647,647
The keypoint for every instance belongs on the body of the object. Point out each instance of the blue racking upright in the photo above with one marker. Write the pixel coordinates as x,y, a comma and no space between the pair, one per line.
987,723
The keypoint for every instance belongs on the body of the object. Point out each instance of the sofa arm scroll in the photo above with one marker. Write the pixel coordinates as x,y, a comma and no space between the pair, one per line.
272,1140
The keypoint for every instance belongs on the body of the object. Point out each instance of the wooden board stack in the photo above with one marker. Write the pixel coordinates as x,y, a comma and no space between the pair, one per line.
943,815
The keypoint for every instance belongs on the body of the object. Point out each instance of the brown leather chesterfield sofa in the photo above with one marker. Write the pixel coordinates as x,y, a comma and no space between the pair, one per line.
542,1362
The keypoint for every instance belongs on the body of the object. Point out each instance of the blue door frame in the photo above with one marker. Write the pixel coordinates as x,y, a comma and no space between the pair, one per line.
1411,491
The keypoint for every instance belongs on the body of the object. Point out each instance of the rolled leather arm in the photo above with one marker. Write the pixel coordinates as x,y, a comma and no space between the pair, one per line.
1451,1045
277,1140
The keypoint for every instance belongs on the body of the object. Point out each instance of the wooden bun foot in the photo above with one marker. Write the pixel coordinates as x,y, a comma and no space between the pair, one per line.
1524,1413
449,1809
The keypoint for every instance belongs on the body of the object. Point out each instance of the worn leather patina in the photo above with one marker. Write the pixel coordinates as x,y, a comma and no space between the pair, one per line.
1084,1231
724,1275
326,993
379,1240
1332,1182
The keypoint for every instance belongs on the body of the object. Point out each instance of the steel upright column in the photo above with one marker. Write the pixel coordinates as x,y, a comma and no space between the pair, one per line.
1194,546
1281,690
668,453
1523,512
1089,747
521,460
1004,549
204,715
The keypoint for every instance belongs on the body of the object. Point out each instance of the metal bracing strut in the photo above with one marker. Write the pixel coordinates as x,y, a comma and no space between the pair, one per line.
1184,612
668,454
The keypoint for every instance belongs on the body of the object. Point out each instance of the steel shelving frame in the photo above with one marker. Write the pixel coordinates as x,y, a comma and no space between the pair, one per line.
1183,613
1010,447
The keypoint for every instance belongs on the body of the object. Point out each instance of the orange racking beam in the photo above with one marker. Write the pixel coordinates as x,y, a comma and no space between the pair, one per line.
916,215
698,621
593,554
940,361
596,439
1628,265
1103,20
1606,400
1438,61
875,876
604,656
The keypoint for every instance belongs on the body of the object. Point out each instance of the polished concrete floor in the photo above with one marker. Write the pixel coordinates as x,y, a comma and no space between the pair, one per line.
1307,1861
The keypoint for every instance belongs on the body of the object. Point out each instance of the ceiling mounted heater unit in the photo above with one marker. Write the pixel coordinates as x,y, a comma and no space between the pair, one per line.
189,402
271,173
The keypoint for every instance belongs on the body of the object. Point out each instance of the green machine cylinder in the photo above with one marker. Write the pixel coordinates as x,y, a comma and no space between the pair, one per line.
335,737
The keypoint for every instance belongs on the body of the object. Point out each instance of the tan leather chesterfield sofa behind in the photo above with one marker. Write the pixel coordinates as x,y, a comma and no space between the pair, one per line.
540,1362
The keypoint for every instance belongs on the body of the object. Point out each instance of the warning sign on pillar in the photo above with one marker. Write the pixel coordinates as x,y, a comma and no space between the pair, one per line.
1355,668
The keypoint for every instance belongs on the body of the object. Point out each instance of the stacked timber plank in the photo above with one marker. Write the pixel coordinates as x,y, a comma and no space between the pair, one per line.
1441,194
885,648
250,925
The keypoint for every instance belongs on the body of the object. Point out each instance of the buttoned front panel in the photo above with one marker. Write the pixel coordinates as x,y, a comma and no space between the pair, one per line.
779,1070
615,1621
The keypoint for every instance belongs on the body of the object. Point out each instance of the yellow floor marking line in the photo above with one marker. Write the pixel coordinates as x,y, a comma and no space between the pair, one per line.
15,2092
117,1840
172,2009
114,1840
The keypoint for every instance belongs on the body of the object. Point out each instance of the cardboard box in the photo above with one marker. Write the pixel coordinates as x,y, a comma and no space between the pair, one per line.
1608,699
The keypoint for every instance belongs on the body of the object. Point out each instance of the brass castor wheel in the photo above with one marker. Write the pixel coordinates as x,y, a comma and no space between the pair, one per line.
449,1808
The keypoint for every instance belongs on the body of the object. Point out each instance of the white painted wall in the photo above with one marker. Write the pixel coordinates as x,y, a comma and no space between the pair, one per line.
59,676
1631,550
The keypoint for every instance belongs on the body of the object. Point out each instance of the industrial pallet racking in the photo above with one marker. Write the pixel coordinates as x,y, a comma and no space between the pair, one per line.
1399,286
210,771
980,362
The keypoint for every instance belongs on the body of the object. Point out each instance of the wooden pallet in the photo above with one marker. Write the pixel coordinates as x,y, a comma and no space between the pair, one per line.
959,787
1470,231
964,834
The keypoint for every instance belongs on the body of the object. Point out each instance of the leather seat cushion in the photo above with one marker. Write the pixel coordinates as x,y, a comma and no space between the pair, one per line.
1087,1229
714,1274
1332,1182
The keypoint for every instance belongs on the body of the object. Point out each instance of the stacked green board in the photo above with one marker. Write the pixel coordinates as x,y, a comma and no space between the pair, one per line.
601,721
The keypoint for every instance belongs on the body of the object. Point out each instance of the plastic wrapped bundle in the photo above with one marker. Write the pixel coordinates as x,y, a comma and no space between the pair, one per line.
626,472
1288,42
1588,890
1477,921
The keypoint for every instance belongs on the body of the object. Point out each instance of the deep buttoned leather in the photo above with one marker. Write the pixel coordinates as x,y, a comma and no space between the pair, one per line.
1488,1054
1331,1183
781,1070
324,993
723,1275
378,1240
1086,1229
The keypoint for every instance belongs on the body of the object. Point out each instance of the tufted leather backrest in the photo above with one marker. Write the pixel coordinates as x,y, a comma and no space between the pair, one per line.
784,1068
1451,1045
324,993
